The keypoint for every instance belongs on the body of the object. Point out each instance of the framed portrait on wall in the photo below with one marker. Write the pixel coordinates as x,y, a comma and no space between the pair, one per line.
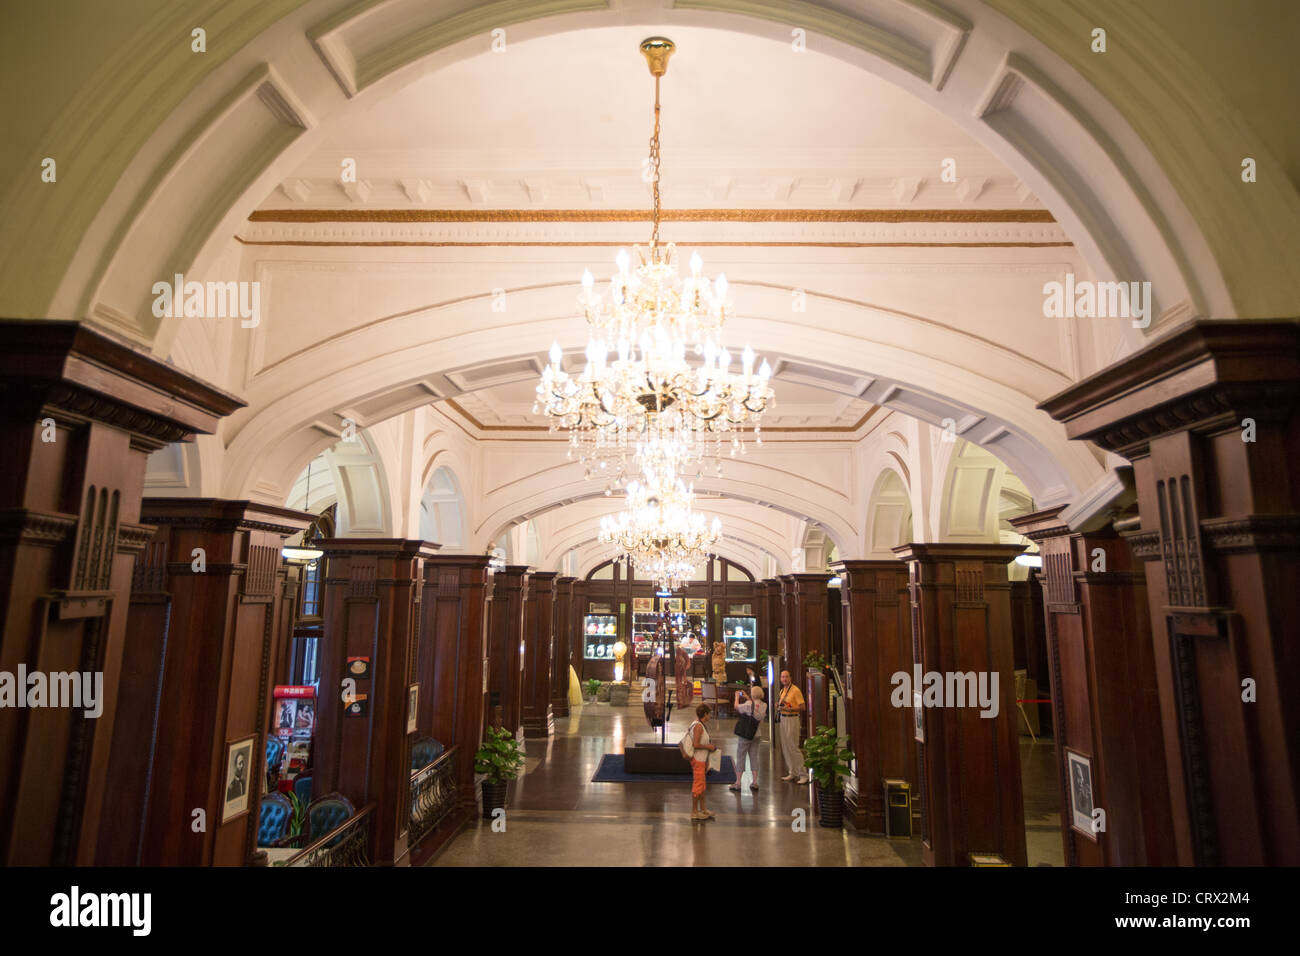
1079,771
412,707
238,778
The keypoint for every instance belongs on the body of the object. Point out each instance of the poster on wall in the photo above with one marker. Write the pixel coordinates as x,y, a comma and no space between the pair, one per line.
359,667
357,706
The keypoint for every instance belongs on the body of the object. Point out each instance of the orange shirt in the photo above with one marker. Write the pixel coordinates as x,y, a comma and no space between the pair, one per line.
790,698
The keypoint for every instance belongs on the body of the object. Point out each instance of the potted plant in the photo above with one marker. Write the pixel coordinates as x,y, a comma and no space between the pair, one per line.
592,687
499,760
814,662
828,762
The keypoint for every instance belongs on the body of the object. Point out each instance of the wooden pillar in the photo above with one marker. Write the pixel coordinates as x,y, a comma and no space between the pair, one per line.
221,567
372,611
79,414
791,653
453,659
539,650
969,763
1103,690
1208,417
563,645
810,624
877,645
576,613
505,634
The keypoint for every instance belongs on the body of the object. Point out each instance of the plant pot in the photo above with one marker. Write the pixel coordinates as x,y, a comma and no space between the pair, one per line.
830,806
494,797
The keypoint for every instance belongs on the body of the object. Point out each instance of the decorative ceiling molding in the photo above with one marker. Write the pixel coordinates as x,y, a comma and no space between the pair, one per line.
975,228
643,215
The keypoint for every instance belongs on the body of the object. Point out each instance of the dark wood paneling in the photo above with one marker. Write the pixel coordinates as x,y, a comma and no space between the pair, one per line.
539,648
969,763
877,645
69,531
1208,417
372,609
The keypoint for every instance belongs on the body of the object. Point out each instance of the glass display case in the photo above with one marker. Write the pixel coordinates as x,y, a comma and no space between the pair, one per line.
741,636
600,634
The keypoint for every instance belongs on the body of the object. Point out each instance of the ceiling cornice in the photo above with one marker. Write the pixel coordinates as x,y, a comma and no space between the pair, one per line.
642,215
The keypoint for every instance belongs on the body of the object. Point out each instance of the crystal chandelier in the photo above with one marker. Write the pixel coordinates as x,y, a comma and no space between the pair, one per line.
660,534
657,374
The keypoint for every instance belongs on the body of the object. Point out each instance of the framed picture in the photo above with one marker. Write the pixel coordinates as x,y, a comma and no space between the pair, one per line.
672,604
918,716
741,609
697,605
1079,771
238,779
412,707
643,605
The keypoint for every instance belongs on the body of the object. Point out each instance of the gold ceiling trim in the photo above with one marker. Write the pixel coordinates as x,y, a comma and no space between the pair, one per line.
592,244
642,215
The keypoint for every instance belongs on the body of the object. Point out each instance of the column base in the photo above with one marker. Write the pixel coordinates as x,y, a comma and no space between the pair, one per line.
541,725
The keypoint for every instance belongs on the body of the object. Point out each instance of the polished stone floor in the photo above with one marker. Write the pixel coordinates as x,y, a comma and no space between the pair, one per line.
557,817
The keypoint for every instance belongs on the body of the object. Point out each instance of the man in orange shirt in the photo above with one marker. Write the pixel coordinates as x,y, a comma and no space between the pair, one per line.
790,706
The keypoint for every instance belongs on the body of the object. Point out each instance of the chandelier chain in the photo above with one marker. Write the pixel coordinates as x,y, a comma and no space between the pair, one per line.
654,166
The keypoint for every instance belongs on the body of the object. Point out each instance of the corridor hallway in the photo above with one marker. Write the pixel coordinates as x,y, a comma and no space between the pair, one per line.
555,815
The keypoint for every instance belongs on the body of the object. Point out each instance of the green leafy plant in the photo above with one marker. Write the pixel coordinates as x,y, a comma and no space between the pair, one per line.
297,819
814,661
826,759
499,758
762,659
593,687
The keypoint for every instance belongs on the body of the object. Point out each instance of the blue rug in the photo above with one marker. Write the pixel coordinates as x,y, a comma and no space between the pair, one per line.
611,770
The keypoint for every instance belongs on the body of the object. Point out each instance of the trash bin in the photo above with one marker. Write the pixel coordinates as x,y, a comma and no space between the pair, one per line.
898,808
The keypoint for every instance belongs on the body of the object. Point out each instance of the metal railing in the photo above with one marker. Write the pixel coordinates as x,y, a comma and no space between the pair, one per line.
348,844
433,795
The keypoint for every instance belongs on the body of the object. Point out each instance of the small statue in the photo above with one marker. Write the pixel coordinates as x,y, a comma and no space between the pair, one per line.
720,662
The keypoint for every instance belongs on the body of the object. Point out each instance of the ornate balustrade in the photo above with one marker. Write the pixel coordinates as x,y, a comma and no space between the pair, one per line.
346,845
433,795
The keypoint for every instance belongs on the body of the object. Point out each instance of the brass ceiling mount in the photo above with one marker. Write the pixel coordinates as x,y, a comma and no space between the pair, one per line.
656,51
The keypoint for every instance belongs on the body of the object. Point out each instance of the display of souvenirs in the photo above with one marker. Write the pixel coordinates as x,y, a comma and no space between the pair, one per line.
740,634
601,634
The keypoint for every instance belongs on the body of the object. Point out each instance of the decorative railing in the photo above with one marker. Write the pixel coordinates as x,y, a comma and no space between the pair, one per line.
346,845
433,795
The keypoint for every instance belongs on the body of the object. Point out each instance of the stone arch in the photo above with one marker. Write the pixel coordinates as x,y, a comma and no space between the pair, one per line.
262,109
889,514
443,517
358,482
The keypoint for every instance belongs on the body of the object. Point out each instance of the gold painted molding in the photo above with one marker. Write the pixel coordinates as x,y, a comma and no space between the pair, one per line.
643,215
